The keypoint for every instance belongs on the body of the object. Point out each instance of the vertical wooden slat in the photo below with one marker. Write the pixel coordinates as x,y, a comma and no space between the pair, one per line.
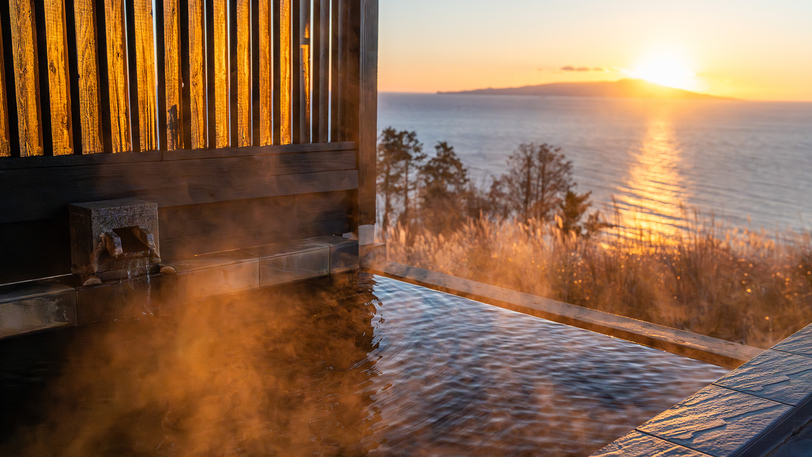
221,74
265,73
197,75
244,84
59,89
160,73
145,72
284,62
87,70
368,122
321,71
349,77
302,94
117,74
26,76
5,137
335,68
172,75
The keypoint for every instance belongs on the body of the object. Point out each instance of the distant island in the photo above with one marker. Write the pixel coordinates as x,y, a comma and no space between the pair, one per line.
624,88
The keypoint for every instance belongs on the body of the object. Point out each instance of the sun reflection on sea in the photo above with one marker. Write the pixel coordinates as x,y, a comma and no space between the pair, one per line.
649,201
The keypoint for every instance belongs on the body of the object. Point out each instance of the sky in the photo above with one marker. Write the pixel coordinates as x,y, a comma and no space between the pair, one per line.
748,49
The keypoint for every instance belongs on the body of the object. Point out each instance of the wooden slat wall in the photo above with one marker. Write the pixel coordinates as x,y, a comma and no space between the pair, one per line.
229,73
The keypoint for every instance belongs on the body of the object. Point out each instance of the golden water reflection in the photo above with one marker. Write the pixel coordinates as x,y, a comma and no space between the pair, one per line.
649,203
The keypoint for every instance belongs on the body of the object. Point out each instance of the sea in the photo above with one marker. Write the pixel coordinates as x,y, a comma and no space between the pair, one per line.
657,163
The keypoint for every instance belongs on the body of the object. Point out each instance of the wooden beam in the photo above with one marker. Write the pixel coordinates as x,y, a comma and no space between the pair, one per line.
284,62
221,73
197,75
244,82
5,135
335,69
30,191
118,76
57,69
321,71
173,76
265,73
145,71
26,76
368,122
87,69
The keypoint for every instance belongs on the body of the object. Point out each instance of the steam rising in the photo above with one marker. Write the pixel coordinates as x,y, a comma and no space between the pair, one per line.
259,374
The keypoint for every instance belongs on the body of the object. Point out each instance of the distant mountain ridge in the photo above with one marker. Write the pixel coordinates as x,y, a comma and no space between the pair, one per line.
623,88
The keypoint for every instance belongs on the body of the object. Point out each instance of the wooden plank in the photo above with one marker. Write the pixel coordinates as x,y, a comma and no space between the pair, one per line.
335,69
197,75
31,195
57,68
145,71
87,69
349,77
5,135
368,116
172,75
244,84
321,71
221,74
302,91
15,163
284,62
265,73
190,230
118,76
26,76
160,74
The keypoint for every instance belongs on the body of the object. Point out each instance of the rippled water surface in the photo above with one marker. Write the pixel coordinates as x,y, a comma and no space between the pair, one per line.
736,159
353,366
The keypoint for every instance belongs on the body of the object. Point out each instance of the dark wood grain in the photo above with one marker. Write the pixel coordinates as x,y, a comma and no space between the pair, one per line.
321,71
190,230
173,182
368,116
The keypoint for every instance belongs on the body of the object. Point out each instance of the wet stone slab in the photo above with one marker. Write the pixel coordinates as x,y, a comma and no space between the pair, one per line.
637,444
799,343
775,375
716,421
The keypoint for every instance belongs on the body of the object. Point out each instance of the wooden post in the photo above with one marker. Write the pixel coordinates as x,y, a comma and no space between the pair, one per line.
145,71
87,70
282,71
368,117
172,75
197,76
57,70
301,69
265,72
117,73
221,74
244,84
5,137
321,71
26,76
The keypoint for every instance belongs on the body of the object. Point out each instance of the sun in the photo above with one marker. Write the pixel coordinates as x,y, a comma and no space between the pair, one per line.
666,70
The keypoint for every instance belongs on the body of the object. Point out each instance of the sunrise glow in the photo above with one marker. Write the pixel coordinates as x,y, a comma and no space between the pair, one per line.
666,70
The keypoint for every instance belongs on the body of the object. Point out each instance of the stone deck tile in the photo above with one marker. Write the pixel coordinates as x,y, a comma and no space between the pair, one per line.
717,421
799,343
281,249
36,305
775,375
637,444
